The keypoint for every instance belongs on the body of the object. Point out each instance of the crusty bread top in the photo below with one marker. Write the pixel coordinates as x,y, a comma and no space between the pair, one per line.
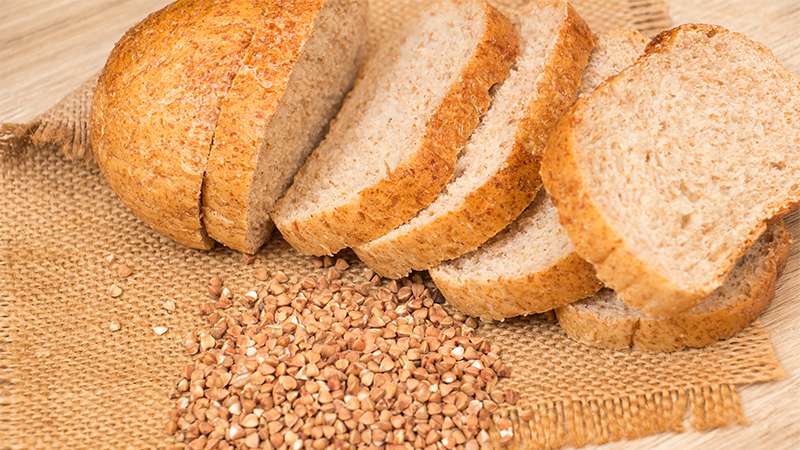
156,107
190,97
669,171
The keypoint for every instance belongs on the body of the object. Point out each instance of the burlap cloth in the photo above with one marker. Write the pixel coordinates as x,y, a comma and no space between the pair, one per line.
67,381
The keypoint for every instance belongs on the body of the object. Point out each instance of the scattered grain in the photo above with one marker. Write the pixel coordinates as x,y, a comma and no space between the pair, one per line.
262,274
504,428
168,306
114,326
341,265
124,271
114,291
215,286
159,330
323,362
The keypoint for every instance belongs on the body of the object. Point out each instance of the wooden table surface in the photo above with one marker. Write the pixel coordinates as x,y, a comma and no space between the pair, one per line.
48,47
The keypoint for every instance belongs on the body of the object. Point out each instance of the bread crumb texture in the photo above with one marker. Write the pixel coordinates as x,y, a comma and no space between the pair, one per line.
669,171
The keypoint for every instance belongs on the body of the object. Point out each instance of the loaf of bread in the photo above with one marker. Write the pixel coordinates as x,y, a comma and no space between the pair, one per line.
393,146
497,173
205,110
531,267
604,321
668,173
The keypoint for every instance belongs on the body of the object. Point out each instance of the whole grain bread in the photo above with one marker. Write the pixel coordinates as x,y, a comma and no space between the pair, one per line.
497,173
217,77
295,73
531,267
605,321
156,106
393,146
668,172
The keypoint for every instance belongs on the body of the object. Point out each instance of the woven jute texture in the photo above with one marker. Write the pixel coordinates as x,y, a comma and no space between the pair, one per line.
67,381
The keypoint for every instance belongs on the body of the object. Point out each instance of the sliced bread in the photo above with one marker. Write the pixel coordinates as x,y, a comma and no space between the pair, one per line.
156,105
531,267
274,113
393,146
605,321
224,78
528,268
670,171
497,173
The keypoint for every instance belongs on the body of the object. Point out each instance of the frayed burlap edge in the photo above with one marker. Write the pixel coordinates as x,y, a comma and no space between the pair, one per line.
64,127
599,421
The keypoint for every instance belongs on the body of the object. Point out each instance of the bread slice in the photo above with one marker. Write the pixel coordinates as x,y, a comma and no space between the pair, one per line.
225,78
669,172
531,267
605,321
156,105
292,81
497,174
615,50
528,268
393,145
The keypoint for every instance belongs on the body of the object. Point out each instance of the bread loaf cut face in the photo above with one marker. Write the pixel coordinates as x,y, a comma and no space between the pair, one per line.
393,145
218,92
603,320
668,172
294,75
497,173
531,267
156,106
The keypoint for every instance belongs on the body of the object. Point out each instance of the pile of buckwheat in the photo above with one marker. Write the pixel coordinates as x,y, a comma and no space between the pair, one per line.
323,363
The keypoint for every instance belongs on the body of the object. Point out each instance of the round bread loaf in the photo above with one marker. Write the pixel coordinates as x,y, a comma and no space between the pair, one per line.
192,109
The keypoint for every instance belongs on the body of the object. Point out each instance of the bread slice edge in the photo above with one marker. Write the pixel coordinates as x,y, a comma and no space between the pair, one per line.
490,208
254,104
687,330
414,184
505,297
639,284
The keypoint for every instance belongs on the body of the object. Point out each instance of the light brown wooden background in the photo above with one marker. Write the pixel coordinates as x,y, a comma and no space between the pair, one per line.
48,47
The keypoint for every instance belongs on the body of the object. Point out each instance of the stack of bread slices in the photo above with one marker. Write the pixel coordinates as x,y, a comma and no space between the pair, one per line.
633,187
659,228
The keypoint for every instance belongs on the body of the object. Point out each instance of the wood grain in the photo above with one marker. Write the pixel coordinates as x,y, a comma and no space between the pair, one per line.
48,47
